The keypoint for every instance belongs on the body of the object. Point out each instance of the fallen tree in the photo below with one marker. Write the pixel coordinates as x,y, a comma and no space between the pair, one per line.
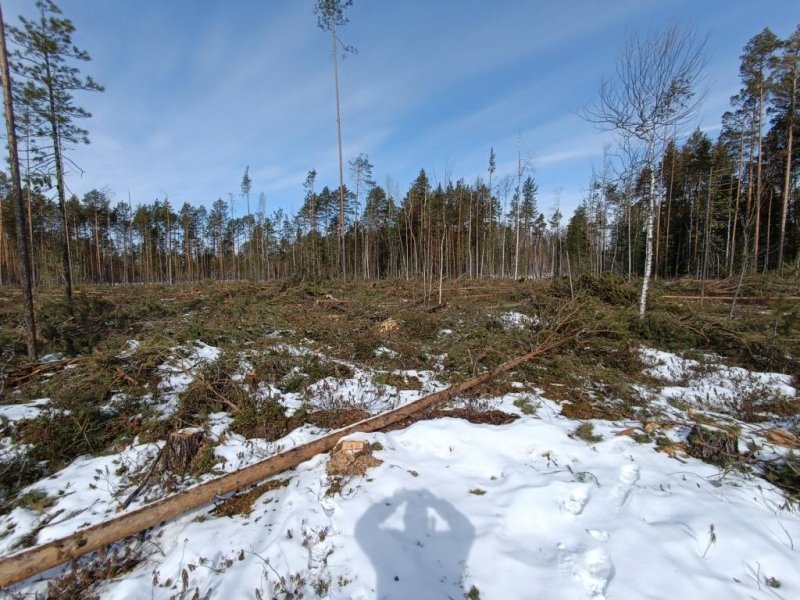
25,564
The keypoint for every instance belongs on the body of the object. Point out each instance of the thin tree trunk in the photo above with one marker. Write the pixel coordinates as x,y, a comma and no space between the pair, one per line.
343,264
739,172
25,269
648,260
62,201
769,228
707,236
787,176
756,234
2,243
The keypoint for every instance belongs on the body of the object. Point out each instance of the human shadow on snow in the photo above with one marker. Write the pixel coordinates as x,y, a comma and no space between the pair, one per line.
418,545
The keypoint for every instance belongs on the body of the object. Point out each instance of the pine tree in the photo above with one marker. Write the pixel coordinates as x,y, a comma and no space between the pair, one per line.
45,60
757,61
361,172
330,15
785,92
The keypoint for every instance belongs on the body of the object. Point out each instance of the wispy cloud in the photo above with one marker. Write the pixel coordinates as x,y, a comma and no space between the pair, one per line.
197,90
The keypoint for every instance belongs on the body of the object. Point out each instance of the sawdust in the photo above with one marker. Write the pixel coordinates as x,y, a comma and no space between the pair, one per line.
351,459
486,417
388,326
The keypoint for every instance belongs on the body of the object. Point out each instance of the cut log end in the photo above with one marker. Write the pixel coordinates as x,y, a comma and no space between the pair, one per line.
351,458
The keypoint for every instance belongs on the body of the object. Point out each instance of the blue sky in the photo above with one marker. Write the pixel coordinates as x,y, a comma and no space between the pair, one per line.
198,89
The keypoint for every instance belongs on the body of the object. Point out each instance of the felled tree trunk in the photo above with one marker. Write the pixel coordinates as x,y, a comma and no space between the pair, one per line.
182,446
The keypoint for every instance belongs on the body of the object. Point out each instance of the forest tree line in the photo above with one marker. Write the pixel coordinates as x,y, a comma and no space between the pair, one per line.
721,205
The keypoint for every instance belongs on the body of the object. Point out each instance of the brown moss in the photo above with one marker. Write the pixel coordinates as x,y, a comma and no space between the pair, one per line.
585,409
242,504
336,419
484,417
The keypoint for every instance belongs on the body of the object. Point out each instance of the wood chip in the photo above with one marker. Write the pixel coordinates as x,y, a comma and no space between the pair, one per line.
672,450
781,437
388,326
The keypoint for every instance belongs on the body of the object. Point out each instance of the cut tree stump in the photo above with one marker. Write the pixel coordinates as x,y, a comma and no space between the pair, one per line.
351,458
182,447
713,445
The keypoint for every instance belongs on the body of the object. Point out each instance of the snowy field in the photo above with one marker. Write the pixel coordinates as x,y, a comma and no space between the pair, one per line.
455,509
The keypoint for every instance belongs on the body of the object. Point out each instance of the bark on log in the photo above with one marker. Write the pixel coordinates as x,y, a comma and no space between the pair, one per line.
27,563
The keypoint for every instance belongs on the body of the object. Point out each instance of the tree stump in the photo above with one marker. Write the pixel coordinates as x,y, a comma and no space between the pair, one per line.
351,458
713,445
182,446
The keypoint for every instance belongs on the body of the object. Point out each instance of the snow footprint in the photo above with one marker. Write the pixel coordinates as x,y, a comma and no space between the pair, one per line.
594,573
601,535
578,498
628,476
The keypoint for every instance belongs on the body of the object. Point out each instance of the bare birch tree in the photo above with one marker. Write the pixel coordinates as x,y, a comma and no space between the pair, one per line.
653,90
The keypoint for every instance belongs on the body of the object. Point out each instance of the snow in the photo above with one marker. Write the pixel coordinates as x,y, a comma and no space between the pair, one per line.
523,510
180,372
360,391
55,356
18,412
384,351
130,349
517,320
86,492
715,387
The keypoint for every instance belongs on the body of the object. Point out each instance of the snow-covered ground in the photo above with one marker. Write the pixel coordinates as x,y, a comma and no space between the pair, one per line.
523,510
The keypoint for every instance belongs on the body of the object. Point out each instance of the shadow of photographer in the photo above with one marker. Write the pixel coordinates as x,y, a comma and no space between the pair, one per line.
420,555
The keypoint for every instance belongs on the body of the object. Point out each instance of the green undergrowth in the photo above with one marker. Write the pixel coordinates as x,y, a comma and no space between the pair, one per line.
98,405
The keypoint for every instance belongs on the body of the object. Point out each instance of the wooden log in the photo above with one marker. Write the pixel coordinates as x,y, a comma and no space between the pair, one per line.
754,299
25,564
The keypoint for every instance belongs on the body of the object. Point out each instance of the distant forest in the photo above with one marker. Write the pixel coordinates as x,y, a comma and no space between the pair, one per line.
721,205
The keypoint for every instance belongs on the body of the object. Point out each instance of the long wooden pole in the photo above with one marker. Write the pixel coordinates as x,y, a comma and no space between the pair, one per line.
23,565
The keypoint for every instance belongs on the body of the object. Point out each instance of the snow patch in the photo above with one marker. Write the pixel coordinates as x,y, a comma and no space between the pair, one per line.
517,320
